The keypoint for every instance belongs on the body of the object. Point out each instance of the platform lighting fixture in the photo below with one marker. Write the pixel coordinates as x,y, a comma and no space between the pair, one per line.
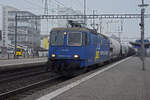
85,12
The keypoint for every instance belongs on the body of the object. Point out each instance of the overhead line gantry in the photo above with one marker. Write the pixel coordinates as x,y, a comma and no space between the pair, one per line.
100,16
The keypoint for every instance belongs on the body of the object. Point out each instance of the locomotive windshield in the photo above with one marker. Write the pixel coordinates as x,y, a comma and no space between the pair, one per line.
57,38
74,39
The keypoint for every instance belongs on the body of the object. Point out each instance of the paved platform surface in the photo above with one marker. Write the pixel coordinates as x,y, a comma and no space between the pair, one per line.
125,81
11,62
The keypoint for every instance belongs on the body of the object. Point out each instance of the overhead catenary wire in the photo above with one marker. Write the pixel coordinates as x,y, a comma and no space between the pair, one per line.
38,6
33,6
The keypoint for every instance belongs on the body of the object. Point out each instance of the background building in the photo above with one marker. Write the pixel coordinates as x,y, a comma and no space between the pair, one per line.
45,42
28,30
5,10
44,45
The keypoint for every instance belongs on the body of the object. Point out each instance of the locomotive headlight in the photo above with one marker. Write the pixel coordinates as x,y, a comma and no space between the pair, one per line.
76,56
65,33
53,55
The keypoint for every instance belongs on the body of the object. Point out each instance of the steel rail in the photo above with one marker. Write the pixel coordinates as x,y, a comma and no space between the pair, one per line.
21,73
20,76
23,89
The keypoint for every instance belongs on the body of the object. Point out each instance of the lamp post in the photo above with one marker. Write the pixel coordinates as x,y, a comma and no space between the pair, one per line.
142,33
85,12
15,37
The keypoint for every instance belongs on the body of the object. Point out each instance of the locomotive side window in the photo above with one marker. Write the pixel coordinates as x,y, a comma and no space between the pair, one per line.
86,39
57,38
101,40
95,40
74,39
106,43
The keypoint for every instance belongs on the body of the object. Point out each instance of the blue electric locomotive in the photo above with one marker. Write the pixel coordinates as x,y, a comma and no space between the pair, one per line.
76,48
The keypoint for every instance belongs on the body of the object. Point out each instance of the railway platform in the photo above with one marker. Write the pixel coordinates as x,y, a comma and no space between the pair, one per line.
123,80
4,64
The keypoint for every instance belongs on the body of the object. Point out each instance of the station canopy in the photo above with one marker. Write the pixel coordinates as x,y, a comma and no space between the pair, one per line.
137,43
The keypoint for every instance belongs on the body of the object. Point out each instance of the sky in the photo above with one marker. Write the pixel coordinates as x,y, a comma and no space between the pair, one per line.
131,27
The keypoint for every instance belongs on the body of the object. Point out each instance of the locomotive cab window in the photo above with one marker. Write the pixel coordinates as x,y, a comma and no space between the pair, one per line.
74,39
57,38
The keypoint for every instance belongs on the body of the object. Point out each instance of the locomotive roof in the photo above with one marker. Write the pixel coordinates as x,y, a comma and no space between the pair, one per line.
104,36
74,29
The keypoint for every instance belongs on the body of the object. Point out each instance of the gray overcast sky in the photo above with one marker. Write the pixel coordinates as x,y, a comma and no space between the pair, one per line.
103,6
131,27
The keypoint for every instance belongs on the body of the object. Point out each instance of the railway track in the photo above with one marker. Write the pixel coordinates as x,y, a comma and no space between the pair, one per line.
28,82
16,73
9,79
10,94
